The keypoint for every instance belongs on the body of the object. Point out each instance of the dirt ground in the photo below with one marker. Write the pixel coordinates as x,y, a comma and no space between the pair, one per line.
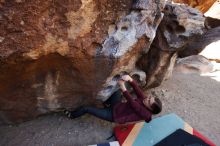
194,98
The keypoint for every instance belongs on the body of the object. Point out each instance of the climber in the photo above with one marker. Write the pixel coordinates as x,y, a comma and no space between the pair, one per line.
137,109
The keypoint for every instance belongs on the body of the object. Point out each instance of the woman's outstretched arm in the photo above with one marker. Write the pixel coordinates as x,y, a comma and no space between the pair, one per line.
139,92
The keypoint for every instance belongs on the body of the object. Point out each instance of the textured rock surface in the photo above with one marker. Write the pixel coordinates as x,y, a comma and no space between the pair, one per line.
202,5
208,41
179,25
62,54
57,54
134,34
47,63
210,8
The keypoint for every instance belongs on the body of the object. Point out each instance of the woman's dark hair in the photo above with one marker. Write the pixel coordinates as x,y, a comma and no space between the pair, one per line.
156,107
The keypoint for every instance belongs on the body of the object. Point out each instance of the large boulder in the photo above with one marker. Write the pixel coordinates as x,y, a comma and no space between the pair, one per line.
62,54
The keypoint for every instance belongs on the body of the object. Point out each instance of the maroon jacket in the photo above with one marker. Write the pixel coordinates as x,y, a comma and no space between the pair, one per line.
133,109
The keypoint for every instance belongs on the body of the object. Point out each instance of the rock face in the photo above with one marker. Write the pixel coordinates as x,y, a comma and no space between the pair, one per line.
179,25
62,54
208,43
210,8
134,34
202,5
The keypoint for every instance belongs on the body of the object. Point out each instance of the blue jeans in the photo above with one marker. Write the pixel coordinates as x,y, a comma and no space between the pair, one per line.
102,113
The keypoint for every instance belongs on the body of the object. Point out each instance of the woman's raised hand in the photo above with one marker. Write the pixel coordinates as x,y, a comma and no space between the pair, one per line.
127,78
